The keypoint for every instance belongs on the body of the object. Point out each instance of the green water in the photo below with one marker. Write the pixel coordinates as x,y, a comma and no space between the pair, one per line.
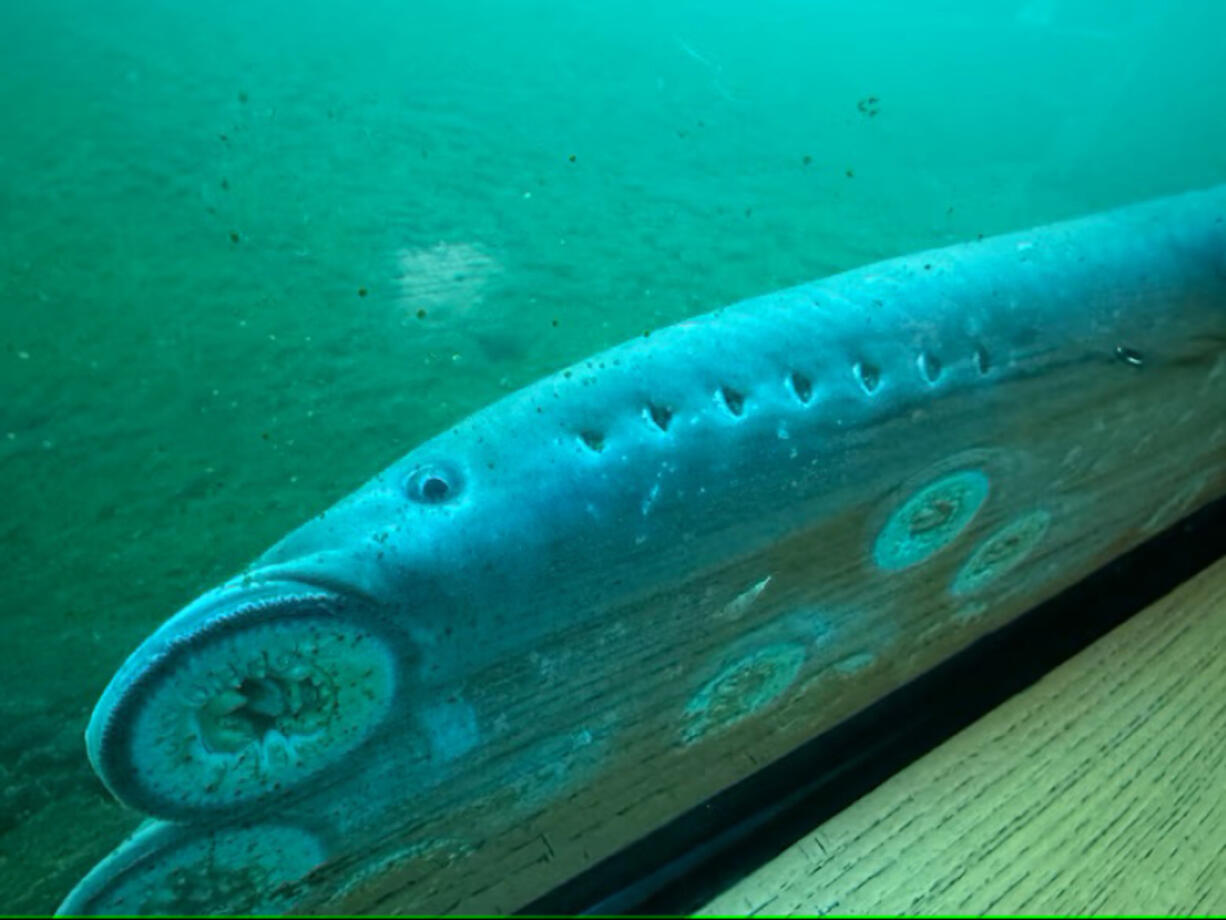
251,252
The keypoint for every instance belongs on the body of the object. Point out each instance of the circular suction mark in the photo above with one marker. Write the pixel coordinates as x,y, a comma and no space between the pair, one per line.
173,870
1001,552
237,713
741,689
177,870
930,520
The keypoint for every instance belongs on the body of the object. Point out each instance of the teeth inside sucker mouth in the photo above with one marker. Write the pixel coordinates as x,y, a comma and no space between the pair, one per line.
273,704
249,706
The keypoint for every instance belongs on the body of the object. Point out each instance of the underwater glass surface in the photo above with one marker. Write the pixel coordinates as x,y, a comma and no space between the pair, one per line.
253,252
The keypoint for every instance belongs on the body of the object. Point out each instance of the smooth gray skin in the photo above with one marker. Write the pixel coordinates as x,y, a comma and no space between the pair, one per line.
538,529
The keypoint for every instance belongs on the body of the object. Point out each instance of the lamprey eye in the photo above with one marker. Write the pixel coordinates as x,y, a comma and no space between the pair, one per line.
433,484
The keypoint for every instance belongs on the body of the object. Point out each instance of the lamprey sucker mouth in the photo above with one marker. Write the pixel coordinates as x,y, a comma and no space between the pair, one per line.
244,701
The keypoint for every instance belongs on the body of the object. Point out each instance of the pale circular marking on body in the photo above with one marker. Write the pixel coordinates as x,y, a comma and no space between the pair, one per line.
741,689
1001,552
930,519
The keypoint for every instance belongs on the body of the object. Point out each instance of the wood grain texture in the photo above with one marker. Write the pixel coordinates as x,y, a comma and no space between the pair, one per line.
1100,790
